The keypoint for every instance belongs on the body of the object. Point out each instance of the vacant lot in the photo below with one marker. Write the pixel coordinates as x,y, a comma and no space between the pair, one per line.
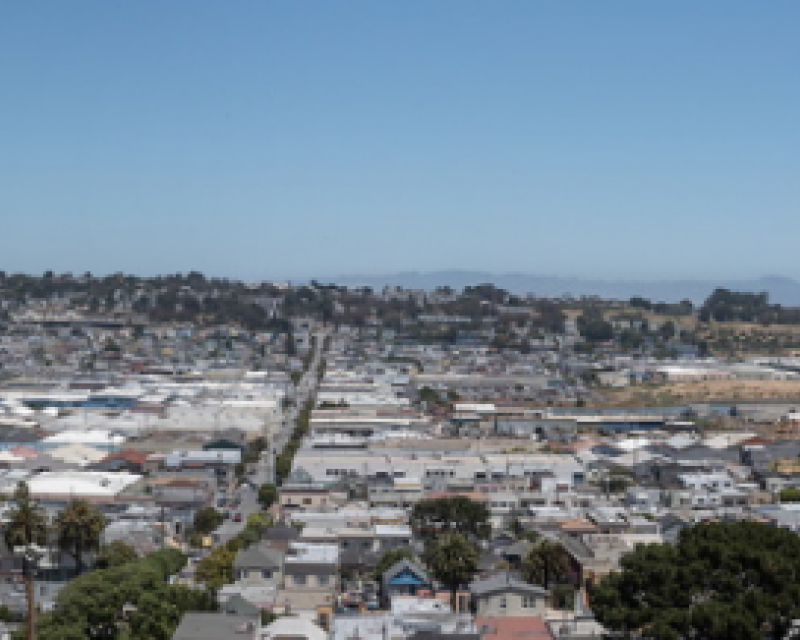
704,391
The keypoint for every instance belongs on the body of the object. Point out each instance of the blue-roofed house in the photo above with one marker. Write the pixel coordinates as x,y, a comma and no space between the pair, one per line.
404,578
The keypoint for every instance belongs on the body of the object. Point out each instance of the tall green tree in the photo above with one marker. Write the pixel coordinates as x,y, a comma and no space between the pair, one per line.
27,523
206,520
453,560
546,563
79,527
429,518
719,582
216,569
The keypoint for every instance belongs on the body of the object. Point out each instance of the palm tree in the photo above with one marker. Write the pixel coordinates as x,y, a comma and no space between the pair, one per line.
79,527
453,560
546,563
27,523
27,528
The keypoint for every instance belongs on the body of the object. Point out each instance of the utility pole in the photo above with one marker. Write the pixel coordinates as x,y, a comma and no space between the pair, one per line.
30,554
163,528
27,571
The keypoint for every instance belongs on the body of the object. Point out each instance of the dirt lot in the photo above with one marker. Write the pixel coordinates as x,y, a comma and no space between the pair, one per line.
704,391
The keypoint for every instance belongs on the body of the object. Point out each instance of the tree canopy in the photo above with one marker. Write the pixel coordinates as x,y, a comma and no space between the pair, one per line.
546,563
115,554
132,601
594,327
216,569
206,520
454,513
789,494
719,582
453,560
724,305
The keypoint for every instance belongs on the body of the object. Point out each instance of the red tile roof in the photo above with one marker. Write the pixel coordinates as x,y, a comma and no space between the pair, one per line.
755,440
129,455
25,452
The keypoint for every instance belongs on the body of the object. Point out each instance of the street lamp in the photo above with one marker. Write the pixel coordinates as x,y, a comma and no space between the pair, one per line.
30,554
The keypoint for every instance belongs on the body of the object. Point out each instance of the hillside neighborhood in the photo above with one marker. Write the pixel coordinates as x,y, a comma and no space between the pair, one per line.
279,462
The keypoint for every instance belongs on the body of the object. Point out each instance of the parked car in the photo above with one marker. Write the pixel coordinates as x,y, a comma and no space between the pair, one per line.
237,517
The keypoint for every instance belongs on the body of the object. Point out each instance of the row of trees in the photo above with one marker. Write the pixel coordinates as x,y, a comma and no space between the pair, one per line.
193,297
683,308
724,305
283,462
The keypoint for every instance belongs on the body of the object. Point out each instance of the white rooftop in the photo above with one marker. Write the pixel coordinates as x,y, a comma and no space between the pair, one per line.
81,483
91,436
311,552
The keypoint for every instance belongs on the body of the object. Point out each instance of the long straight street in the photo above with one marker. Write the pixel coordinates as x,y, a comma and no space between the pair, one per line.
245,496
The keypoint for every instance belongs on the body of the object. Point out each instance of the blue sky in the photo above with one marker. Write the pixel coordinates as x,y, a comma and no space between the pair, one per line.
266,139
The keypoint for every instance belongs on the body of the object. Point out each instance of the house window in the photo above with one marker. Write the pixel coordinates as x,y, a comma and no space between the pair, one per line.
267,574
503,602
323,581
528,602
306,500
300,580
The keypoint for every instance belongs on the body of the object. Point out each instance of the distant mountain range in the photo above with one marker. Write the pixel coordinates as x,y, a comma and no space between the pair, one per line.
781,290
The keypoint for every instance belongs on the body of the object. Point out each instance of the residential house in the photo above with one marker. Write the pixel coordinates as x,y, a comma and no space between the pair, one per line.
217,626
258,563
505,596
409,617
292,628
280,536
404,577
311,578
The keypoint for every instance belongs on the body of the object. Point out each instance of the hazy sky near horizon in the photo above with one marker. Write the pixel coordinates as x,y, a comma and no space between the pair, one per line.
266,139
